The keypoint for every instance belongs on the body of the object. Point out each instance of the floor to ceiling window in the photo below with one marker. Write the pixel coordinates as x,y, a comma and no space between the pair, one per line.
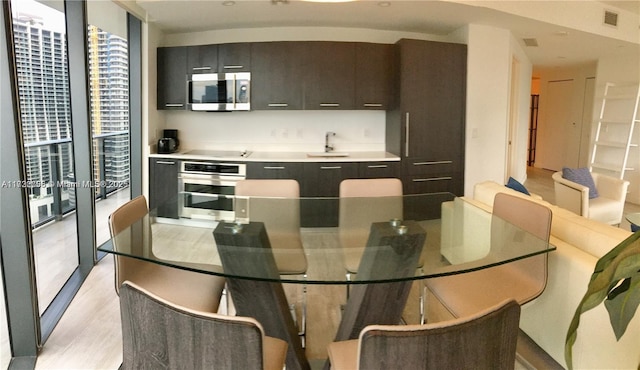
76,104
108,62
45,112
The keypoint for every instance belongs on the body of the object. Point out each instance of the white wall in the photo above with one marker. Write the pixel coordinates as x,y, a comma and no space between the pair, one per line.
522,106
621,70
294,34
152,119
297,131
490,52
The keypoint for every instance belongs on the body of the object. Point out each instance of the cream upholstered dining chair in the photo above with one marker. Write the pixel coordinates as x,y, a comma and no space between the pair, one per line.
276,203
484,340
363,202
523,280
159,334
607,207
190,289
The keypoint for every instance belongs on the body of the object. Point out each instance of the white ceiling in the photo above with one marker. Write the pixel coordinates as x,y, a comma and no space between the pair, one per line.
557,45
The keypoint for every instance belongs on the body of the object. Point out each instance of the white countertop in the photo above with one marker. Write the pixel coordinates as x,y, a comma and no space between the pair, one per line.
355,156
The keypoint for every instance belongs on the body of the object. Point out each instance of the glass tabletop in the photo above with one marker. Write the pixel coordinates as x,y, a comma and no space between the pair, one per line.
368,240
633,218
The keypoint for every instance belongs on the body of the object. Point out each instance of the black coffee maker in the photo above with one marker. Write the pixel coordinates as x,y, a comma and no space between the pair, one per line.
169,142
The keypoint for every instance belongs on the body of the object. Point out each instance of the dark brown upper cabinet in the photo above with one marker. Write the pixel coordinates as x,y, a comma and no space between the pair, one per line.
329,81
373,75
220,58
202,59
276,78
172,81
234,57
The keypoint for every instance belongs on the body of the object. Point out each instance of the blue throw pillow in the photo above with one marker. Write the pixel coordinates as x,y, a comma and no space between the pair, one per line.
517,186
583,177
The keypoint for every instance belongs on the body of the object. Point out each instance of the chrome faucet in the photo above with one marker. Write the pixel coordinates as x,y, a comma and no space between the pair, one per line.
327,147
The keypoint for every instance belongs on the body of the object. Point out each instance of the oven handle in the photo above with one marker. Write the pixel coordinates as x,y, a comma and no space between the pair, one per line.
207,195
204,180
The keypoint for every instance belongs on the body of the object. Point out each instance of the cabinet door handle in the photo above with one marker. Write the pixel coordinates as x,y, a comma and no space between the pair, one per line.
330,167
277,105
233,67
406,135
201,68
377,166
372,105
166,162
431,163
171,105
433,179
274,167
329,104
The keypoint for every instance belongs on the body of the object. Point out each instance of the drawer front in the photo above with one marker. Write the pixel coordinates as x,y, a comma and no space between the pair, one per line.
450,182
417,166
373,170
274,170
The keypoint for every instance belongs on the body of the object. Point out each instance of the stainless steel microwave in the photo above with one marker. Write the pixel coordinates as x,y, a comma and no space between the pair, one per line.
219,91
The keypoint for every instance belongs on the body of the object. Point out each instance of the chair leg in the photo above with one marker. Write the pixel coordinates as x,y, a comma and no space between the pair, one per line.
303,316
422,303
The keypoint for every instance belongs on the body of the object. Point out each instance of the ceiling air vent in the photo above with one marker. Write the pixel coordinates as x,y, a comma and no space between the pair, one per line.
530,42
611,18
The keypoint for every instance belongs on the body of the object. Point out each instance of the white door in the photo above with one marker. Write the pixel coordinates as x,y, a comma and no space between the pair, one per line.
560,134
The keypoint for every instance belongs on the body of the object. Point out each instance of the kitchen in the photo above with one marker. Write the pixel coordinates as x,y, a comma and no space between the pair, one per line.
306,77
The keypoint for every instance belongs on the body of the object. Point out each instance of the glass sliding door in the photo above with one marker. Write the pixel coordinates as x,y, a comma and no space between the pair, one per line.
45,113
108,62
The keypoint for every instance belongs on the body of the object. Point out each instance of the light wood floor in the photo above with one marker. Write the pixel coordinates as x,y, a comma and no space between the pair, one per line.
89,334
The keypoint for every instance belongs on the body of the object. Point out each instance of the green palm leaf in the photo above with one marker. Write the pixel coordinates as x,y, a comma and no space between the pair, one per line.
615,279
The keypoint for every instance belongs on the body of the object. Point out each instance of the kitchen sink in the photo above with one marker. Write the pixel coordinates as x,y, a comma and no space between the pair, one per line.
328,154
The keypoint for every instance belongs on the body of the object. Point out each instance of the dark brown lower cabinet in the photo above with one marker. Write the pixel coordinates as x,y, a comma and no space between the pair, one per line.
322,179
163,186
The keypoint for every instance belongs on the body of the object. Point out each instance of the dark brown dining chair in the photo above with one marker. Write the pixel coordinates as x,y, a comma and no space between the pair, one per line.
485,340
276,203
195,290
159,334
523,280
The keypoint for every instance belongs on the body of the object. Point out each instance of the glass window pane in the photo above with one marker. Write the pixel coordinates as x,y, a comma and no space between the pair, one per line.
44,99
109,106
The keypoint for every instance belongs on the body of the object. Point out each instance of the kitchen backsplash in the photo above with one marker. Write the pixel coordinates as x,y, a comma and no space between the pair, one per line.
297,131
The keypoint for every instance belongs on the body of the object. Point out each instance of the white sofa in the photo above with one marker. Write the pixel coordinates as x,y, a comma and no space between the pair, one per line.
579,243
607,207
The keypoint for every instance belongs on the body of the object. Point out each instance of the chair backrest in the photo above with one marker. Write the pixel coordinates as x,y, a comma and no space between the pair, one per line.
534,218
363,202
159,334
277,202
122,218
486,340
381,200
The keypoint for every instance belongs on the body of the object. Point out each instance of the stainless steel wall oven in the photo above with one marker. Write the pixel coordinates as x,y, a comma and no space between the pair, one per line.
207,189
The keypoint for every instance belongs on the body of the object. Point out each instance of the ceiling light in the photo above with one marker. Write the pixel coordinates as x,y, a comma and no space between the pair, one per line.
384,4
279,2
228,3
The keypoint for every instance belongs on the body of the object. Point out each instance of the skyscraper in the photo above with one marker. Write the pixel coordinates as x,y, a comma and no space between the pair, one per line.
43,86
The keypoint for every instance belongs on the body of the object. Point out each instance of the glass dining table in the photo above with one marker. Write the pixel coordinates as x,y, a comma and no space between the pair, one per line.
377,247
